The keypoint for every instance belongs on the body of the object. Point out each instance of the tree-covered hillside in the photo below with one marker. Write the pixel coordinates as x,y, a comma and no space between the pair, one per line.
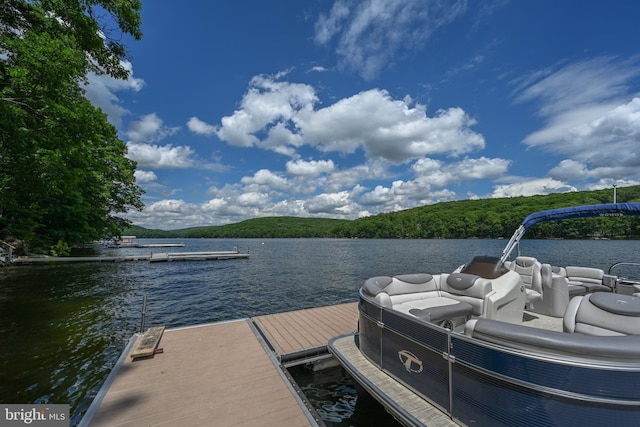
486,218
493,218
259,228
279,226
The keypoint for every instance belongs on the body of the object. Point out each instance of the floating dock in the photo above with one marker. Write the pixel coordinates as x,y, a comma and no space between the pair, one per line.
196,256
153,257
228,373
148,245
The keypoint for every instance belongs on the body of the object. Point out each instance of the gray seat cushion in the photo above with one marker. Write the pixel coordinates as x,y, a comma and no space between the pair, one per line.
624,305
603,314
576,344
440,313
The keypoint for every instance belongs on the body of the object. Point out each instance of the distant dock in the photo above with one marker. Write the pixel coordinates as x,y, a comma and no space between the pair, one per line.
196,256
147,245
130,242
227,373
154,257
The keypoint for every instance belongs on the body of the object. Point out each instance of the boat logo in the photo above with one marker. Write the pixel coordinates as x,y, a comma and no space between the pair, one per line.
410,361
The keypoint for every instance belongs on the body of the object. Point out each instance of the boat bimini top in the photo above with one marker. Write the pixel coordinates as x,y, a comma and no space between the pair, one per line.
587,211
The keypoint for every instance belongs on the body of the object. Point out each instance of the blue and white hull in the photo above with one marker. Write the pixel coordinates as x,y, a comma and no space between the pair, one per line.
477,382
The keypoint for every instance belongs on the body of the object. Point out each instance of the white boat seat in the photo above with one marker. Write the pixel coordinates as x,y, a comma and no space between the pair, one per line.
603,313
467,288
450,303
393,291
585,280
529,269
555,289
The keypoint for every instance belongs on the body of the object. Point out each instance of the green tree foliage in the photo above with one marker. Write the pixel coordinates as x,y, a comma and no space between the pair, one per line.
63,172
495,218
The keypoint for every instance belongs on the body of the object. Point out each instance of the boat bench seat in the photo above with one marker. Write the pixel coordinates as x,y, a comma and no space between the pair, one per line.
454,297
525,338
392,291
585,280
603,313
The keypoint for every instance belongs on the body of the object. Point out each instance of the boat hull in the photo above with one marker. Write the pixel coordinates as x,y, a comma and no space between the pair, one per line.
481,383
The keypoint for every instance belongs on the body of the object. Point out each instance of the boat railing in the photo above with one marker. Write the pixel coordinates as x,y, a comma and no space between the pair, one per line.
6,252
624,276
617,264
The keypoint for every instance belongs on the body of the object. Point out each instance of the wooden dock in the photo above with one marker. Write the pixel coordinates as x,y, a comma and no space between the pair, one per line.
227,374
196,256
153,257
300,334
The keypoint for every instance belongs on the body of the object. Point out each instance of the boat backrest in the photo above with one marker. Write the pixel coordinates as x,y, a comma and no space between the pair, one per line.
535,340
546,276
603,313
374,287
584,274
555,289
396,290
529,269
467,288
559,270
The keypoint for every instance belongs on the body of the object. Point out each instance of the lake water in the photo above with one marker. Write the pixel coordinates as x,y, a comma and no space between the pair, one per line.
62,327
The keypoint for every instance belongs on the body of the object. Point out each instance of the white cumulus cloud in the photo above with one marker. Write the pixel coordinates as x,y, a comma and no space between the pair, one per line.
282,117
102,91
144,176
150,128
161,156
196,125
532,187
265,177
309,168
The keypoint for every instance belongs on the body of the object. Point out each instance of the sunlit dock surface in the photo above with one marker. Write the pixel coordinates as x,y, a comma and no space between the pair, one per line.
227,374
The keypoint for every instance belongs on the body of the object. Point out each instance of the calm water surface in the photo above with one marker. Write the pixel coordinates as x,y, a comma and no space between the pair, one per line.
62,327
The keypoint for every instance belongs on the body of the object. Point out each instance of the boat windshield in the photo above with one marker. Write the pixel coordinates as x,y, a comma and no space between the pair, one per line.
489,267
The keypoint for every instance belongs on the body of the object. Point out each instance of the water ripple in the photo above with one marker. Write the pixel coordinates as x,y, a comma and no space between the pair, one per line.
66,325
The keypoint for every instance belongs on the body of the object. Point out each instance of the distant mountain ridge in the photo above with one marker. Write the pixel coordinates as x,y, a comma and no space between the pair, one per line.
484,218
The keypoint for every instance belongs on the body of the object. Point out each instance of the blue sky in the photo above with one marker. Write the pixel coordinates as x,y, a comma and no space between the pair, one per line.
343,109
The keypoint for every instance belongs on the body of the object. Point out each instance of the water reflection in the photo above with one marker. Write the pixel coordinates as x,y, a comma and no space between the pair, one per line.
338,399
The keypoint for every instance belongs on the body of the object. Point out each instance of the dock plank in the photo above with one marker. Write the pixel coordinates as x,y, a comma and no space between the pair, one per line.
298,330
206,376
